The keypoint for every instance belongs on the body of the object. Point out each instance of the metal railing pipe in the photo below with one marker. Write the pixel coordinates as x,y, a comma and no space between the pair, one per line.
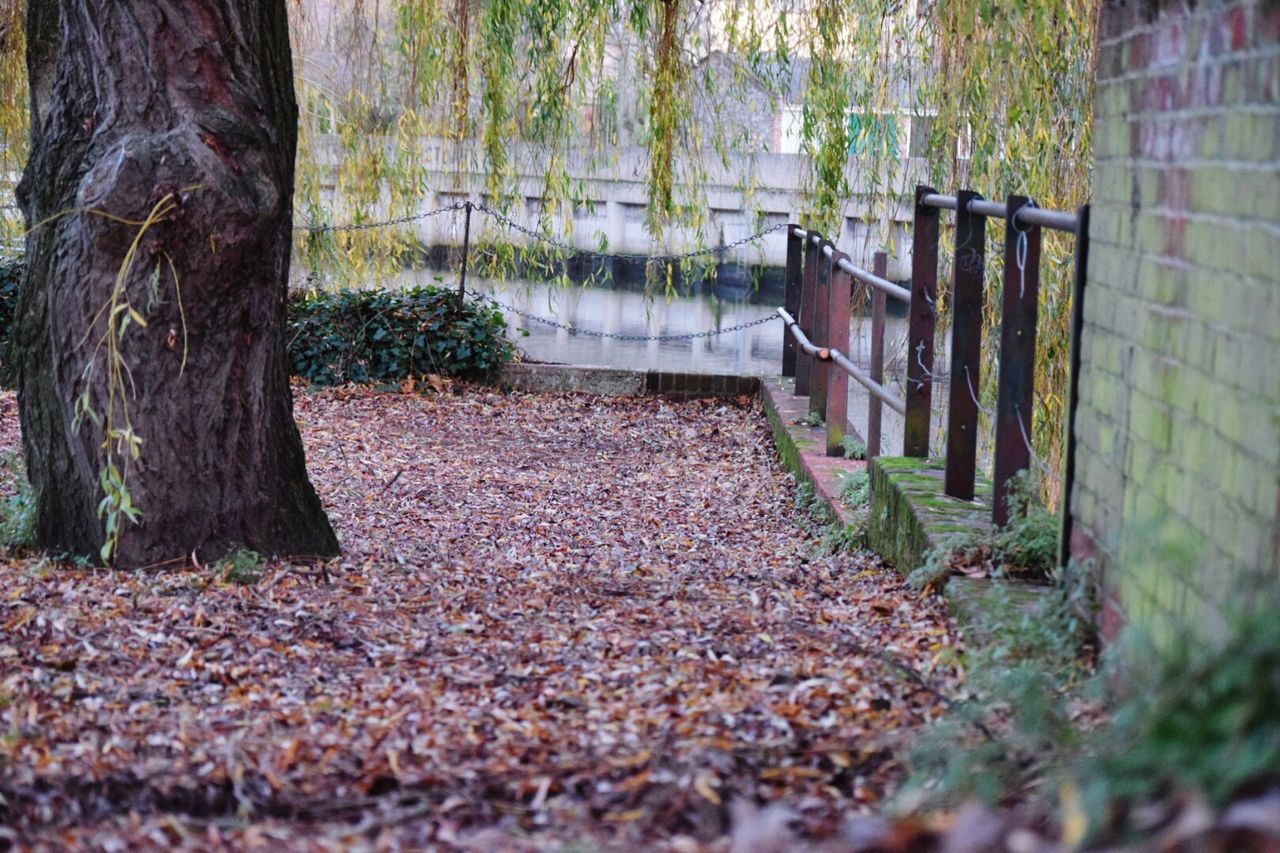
989,208
1054,219
947,202
878,282
875,389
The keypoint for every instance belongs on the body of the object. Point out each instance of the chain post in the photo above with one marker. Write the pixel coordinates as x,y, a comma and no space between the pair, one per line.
466,253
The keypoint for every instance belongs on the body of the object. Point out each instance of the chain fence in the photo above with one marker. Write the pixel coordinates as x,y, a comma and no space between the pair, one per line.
626,256
312,228
574,330
568,248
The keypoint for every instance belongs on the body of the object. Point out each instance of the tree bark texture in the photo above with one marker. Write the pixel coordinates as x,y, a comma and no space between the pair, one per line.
190,101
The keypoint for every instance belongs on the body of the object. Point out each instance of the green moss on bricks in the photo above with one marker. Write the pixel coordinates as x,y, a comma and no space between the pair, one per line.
909,511
896,463
954,528
923,479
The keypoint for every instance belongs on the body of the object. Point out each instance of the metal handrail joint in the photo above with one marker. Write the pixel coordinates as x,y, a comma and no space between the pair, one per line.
1053,219
810,348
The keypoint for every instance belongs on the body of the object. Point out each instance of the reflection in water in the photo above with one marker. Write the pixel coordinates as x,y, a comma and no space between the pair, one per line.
731,301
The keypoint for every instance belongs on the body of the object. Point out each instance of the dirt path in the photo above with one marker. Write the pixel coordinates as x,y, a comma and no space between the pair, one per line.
557,619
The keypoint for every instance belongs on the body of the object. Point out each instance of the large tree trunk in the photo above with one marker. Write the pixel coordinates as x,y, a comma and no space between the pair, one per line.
186,104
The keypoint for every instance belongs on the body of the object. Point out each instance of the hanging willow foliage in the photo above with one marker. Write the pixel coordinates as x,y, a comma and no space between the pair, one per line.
403,100
13,112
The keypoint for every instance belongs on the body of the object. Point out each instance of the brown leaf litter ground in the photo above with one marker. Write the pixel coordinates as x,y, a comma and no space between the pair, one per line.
558,621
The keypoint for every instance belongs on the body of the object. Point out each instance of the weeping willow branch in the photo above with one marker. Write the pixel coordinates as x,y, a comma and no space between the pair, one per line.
995,96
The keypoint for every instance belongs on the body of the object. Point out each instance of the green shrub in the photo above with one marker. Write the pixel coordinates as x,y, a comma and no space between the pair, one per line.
1025,549
18,512
10,274
1010,735
856,491
854,448
358,335
1195,714
242,566
388,336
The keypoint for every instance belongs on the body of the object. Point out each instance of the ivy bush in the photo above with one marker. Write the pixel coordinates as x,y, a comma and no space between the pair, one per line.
387,336
359,335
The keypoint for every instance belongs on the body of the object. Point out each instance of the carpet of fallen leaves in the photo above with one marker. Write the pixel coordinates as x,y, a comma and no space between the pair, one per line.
557,620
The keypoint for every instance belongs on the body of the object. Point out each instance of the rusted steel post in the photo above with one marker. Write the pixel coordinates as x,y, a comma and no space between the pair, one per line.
808,311
791,301
924,296
466,253
1017,353
875,408
1077,329
966,348
838,380
821,334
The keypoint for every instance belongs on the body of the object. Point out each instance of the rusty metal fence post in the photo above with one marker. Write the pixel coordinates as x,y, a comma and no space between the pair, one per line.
1017,353
795,245
875,408
838,338
808,311
966,348
822,332
924,296
1073,399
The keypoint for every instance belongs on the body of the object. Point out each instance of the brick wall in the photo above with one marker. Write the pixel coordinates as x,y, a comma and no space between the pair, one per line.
1177,495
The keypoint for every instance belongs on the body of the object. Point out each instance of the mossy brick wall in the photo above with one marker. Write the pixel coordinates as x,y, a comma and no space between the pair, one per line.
1177,492
910,511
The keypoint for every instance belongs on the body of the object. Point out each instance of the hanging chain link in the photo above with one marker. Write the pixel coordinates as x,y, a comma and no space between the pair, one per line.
574,330
569,248
368,226
623,256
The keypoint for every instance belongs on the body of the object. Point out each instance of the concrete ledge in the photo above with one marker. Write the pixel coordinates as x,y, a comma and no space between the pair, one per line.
569,379
910,513
692,385
619,382
802,448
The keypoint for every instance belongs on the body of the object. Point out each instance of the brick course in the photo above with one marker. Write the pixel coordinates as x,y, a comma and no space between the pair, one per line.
1177,495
